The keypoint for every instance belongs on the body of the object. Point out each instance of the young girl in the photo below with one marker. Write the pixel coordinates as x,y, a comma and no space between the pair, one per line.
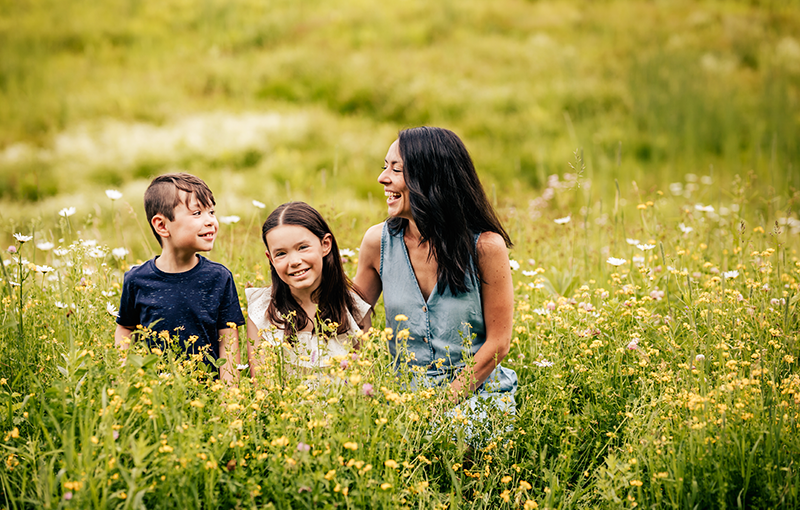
309,287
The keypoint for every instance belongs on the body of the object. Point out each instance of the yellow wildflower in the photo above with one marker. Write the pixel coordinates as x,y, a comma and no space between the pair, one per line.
281,441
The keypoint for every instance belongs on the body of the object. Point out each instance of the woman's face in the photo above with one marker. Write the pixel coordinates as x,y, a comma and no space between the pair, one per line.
394,184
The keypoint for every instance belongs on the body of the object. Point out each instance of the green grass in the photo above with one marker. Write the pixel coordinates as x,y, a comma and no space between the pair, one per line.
631,118
669,381
647,90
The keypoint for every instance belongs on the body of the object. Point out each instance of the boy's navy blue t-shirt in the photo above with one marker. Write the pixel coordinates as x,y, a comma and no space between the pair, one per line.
198,302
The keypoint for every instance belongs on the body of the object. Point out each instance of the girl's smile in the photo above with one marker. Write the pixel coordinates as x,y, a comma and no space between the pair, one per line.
297,256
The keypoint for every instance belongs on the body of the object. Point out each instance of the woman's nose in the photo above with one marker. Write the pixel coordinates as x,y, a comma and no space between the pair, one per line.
383,178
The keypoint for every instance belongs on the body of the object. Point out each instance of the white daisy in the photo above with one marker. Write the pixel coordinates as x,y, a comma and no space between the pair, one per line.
228,220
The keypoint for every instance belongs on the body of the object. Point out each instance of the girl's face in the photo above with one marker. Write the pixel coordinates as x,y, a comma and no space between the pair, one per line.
296,254
394,184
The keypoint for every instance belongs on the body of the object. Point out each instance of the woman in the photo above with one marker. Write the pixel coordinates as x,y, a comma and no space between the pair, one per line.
442,261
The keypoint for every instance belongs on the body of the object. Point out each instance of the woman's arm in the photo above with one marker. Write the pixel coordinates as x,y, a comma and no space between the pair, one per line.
497,292
368,276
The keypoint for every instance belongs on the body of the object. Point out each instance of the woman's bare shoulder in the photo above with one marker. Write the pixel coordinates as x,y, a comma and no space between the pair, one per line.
372,240
374,232
491,244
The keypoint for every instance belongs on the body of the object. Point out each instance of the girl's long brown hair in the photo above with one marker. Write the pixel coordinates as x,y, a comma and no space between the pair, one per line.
333,296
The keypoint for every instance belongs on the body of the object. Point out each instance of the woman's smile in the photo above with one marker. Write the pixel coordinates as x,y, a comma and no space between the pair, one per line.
394,183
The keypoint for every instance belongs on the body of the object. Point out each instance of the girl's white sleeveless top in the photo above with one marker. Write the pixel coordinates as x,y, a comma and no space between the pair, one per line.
309,351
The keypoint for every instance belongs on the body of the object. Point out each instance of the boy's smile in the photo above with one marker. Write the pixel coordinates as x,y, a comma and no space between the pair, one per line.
194,228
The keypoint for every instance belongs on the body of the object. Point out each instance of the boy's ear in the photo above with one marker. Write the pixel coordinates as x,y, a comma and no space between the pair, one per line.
159,223
326,244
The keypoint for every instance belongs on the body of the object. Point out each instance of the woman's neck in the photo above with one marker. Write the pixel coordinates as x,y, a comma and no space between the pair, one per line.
412,234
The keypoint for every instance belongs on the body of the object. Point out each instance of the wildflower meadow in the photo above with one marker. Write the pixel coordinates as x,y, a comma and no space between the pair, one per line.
655,343
642,155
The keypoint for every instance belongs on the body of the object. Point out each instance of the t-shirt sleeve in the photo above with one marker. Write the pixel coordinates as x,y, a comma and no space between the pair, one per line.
229,308
128,315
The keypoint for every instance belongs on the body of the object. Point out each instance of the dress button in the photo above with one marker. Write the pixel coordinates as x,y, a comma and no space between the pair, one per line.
425,309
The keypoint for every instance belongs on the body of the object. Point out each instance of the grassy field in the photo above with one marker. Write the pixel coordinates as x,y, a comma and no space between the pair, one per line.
656,328
299,95
656,345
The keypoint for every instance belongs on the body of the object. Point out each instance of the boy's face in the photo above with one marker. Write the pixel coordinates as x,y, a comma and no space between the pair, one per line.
194,227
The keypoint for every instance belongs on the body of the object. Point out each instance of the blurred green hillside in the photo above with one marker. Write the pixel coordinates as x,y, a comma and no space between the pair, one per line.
277,99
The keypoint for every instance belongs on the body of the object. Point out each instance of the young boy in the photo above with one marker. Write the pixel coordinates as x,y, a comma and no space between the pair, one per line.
180,292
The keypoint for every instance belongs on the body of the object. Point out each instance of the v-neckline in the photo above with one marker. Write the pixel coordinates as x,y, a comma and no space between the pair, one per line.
411,268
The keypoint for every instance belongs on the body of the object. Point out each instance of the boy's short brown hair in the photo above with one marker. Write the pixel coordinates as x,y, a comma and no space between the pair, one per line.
162,196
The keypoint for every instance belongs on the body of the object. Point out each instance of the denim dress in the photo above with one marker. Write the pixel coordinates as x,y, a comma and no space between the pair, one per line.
442,329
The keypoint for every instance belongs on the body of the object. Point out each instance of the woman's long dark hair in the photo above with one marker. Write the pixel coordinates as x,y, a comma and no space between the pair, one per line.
333,296
448,203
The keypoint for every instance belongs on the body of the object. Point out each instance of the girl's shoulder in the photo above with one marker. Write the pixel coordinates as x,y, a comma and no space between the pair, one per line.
257,294
258,300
